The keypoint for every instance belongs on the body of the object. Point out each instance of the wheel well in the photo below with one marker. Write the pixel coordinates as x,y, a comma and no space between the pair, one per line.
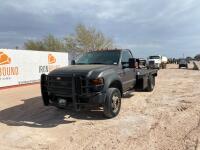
118,85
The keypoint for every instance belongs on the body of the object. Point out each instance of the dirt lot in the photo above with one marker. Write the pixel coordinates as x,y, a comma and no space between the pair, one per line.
167,118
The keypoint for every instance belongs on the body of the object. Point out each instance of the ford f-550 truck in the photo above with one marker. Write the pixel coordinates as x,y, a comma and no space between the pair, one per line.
97,78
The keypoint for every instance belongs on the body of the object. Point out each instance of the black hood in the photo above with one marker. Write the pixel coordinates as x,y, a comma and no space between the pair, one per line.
80,69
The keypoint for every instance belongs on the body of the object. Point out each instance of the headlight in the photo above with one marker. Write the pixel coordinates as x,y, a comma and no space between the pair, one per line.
97,82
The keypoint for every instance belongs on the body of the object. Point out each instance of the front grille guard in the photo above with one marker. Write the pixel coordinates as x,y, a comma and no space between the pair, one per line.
79,88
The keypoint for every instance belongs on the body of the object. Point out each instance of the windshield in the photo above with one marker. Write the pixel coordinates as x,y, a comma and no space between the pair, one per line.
183,61
100,57
154,57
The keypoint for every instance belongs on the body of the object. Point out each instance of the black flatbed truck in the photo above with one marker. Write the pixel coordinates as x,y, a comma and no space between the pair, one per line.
98,78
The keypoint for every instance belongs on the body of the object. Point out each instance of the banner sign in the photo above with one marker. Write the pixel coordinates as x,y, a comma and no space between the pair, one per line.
25,66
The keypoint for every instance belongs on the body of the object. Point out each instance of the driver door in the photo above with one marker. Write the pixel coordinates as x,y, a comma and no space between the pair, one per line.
128,75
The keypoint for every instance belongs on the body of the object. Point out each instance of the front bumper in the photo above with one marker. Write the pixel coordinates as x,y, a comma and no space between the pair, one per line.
183,65
78,102
154,66
70,95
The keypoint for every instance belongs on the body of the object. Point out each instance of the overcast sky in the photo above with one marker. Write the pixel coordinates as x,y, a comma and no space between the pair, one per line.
167,27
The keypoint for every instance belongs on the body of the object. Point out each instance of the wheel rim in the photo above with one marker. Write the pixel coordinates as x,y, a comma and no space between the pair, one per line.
115,102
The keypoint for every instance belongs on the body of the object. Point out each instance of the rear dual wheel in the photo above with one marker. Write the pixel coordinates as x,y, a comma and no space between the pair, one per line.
151,83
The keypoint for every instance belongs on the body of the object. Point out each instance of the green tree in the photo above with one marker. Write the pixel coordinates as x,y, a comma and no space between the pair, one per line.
84,39
32,45
53,44
48,43
71,43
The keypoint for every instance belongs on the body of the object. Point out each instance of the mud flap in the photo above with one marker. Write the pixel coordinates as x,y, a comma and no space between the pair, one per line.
142,83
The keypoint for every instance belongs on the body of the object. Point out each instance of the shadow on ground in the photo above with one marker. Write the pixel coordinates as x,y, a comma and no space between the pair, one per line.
128,95
32,113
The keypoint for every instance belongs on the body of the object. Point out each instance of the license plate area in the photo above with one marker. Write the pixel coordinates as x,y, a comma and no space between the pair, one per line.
62,102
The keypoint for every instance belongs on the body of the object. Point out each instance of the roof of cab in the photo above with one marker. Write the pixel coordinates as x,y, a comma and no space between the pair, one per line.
114,49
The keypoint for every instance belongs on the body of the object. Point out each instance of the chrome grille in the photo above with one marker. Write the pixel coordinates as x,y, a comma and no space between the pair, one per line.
151,62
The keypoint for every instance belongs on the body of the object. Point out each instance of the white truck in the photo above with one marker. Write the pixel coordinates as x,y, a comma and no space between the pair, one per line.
157,62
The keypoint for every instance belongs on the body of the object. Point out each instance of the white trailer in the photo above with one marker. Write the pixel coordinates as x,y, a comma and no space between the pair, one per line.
26,66
157,62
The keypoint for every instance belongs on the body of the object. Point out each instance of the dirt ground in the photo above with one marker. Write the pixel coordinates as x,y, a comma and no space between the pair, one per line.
167,118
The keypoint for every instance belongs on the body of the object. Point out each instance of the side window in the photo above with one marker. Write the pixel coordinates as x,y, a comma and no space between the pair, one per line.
125,56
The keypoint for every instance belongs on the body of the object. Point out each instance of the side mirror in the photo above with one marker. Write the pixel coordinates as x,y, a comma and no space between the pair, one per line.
73,62
132,63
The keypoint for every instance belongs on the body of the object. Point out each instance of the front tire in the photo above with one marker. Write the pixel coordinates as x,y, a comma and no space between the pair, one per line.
45,96
112,103
44,93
